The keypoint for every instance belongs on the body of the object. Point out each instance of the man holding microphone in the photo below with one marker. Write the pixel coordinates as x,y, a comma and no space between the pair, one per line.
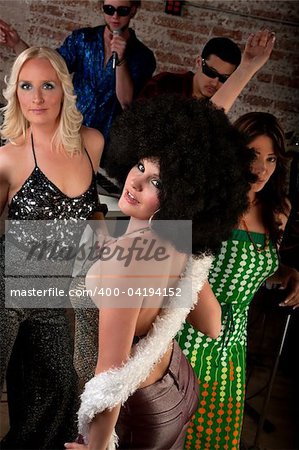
109,64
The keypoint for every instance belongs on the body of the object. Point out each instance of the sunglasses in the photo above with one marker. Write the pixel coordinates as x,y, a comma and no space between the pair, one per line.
121,11
212,73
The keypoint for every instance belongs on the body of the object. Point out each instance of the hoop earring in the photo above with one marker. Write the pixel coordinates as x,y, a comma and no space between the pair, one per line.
151,218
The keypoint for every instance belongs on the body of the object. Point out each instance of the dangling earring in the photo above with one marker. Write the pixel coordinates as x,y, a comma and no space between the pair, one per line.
151,218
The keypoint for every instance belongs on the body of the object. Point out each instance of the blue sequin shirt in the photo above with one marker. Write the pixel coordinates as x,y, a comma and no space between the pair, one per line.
94,83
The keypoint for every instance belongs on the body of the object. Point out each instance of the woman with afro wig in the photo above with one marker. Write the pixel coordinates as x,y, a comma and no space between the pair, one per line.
180,161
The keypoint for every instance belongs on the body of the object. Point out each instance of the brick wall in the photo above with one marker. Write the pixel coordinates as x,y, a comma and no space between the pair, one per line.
177,41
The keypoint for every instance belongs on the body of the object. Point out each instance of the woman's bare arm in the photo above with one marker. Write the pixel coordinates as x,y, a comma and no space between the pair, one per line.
257,52
206,316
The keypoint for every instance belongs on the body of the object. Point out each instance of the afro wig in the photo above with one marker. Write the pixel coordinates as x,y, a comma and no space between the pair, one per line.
204,164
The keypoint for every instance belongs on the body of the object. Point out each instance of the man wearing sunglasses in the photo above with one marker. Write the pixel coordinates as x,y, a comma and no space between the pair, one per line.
219,59
109,64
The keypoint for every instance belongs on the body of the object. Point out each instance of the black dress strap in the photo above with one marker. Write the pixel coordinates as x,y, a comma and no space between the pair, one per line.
33,150
89,160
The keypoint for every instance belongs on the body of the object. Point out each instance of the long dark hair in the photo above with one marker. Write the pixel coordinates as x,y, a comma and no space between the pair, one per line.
274,194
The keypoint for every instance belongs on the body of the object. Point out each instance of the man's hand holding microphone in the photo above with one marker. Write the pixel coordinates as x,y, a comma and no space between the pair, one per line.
118,48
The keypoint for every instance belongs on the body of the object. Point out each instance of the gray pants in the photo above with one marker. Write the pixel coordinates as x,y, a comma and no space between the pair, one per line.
156,417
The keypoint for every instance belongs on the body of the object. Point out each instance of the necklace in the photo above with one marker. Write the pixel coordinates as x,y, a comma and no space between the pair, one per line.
258,249
140,231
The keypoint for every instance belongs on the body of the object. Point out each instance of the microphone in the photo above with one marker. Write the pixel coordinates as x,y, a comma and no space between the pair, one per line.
114,54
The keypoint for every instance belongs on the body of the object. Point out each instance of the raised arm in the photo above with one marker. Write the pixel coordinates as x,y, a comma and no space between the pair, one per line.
206,316
11,39
257,52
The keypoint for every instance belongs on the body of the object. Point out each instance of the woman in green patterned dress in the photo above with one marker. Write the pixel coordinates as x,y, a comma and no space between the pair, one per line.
244,262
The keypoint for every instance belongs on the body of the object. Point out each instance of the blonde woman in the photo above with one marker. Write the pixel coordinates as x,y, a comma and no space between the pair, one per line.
47,171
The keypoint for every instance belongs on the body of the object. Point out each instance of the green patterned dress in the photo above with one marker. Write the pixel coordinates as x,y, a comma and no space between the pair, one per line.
236,274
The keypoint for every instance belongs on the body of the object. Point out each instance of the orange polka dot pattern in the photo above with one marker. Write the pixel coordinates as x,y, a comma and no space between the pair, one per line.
236,274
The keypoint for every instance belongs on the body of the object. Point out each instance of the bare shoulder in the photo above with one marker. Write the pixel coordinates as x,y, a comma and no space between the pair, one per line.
91,134
138,258
283,218
9,157
5,149
93,140
289,206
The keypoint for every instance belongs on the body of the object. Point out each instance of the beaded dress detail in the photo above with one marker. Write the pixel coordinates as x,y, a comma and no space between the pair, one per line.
40,199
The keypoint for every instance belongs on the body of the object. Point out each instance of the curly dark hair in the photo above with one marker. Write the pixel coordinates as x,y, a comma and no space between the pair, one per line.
274,194
204,163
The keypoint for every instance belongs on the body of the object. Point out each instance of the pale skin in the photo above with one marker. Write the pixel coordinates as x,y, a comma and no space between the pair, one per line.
124,84
40,95
139,200
264,166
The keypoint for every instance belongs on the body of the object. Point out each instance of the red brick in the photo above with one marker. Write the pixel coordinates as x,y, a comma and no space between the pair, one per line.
47,34
170,22
151,6
289,44
177,35
277,55
278,14
169,57
232,34
287,106
291,82
258,101
189,61
264,77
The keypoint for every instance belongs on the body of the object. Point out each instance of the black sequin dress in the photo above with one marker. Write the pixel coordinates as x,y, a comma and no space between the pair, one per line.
37,344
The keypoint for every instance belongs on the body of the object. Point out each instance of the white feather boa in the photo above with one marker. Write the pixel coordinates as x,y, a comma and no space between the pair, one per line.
110,388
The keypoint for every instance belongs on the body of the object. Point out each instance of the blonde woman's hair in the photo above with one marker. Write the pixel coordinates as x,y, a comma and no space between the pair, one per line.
67,136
